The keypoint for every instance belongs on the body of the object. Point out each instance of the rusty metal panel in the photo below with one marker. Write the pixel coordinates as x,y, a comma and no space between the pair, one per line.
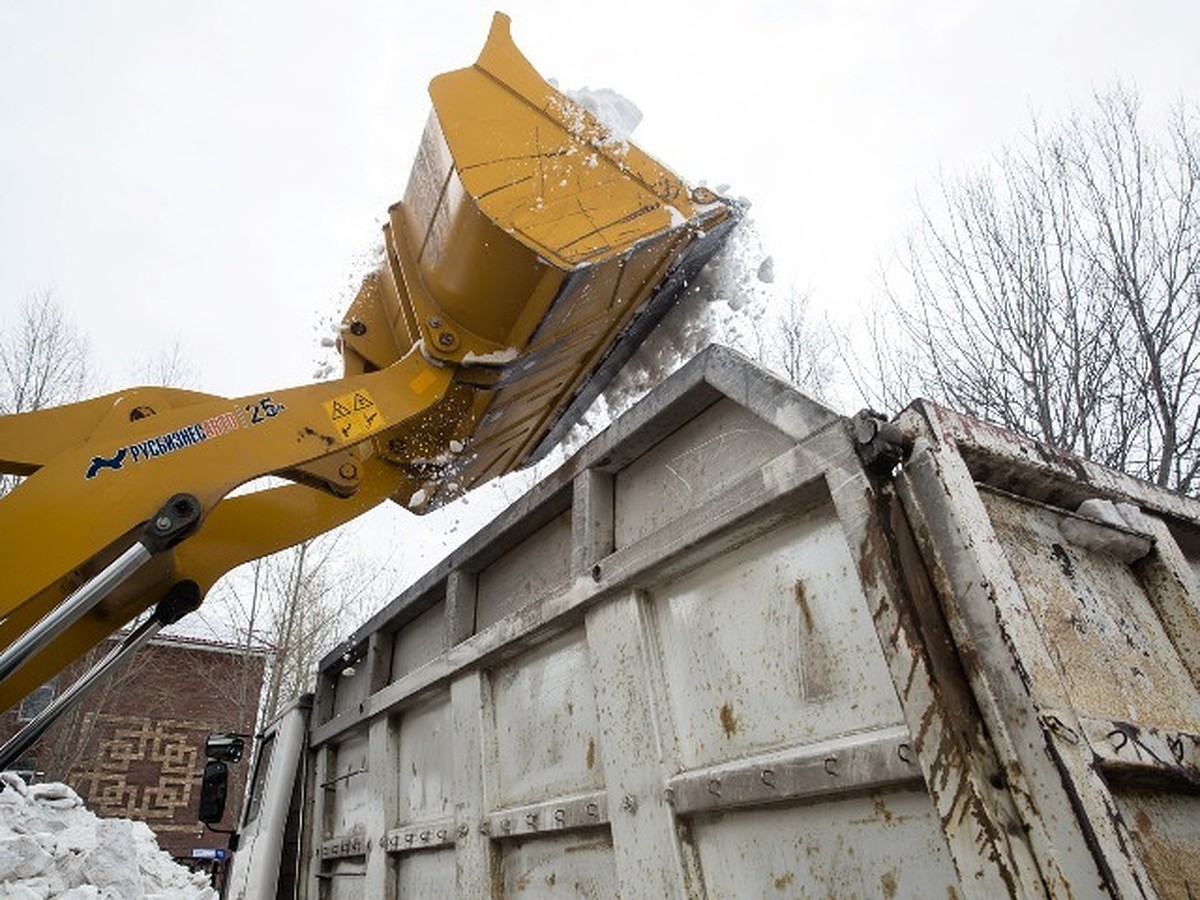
425,762
770,644
348,787
1074,615
546,730
881,845
1166,829
530,570
576,865
690,466
1097,619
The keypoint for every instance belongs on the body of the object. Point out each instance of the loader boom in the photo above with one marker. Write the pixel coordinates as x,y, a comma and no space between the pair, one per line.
531,253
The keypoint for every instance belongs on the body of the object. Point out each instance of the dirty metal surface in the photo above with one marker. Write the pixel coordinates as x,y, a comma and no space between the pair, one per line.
855,764
576,865
420,641
343,879
1079,643
561,814
886,844
1166,829
676,477
533,568
429,873
351,687
753,647
690,665
344,846
546,732
426,836
1135,753
424,763
961,770
1076,840
348,790
1098,621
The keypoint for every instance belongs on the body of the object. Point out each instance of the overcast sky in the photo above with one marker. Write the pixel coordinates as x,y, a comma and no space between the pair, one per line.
214,172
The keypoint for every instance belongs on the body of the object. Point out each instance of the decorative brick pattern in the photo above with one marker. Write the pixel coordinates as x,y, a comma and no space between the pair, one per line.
144,769
135,748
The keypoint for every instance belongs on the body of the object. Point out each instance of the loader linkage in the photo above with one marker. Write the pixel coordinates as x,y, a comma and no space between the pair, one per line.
530,255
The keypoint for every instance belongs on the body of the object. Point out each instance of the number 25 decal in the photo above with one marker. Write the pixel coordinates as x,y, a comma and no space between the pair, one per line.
266,408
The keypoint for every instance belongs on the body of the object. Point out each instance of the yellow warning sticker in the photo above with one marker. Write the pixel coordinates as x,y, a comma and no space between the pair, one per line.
354,416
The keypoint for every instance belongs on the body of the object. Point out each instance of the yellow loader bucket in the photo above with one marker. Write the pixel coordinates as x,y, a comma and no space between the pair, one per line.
533,251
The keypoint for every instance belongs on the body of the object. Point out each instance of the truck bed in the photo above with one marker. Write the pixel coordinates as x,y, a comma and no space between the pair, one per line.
719,655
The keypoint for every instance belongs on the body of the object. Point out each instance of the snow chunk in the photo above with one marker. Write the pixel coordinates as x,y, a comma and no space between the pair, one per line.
495,358
618,114
1126,537
53,846
726,303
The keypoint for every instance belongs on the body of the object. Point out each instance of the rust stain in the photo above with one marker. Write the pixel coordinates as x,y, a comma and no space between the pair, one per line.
887,884
802,602
783,881
881,809
729,722
308,432
591,753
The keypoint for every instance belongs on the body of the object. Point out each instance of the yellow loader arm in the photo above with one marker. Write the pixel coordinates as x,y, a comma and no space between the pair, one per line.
531,253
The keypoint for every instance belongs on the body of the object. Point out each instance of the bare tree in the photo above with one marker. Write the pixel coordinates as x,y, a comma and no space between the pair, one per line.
43,362
43,359
1059,293
296,603
169,367
798,347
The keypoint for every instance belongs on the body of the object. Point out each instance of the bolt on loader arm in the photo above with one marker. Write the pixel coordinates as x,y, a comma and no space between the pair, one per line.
531,254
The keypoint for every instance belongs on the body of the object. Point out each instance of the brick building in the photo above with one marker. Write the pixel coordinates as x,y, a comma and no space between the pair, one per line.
134,747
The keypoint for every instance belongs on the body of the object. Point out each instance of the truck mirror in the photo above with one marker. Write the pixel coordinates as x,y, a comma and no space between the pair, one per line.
213,789
227,747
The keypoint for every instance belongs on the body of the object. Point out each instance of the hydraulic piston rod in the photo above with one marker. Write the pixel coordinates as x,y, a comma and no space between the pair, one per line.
183,598
175,521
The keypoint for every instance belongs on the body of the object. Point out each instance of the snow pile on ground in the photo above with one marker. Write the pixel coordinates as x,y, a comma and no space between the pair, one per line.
52,846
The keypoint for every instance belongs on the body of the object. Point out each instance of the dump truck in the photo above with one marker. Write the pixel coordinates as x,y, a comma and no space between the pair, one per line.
533,251
740,646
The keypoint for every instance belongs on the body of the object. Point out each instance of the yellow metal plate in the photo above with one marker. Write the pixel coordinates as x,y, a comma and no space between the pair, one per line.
354,416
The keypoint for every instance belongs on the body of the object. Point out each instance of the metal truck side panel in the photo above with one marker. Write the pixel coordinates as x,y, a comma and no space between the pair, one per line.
735,648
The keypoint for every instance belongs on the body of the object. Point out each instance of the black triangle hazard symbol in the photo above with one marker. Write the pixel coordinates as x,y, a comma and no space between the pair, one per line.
361,402
339,411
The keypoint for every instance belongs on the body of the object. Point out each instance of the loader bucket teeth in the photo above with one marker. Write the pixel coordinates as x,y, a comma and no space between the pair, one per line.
534,250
